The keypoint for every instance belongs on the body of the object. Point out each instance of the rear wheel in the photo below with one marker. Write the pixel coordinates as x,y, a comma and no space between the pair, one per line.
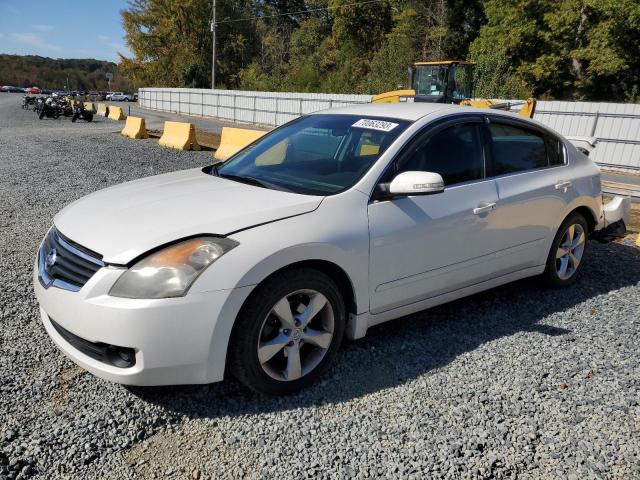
288,333
567,253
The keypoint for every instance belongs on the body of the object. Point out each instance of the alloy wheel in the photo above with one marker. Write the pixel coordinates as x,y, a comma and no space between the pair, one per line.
570,251
296,335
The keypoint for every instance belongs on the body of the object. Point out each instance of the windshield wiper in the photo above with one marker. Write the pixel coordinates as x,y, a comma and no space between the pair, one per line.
244,179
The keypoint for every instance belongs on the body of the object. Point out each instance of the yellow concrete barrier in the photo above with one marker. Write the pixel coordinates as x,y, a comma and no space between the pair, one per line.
101,110
180,135
233,140
88,106
116,113
135,128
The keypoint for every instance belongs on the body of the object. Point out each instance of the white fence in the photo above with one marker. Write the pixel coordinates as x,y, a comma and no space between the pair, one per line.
616,126
261,108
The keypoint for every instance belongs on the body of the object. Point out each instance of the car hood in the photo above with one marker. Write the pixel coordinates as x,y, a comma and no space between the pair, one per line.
127,220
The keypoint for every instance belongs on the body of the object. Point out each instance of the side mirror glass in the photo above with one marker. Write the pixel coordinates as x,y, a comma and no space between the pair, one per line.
416,183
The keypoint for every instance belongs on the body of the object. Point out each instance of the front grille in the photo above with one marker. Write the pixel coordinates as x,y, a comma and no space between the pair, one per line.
65,265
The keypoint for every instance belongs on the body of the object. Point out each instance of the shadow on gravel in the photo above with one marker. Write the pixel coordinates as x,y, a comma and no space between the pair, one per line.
399,351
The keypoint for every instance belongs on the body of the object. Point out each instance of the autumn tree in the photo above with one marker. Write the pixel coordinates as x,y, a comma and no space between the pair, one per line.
171,42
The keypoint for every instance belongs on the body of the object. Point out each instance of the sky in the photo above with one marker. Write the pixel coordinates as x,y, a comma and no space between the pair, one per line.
63,28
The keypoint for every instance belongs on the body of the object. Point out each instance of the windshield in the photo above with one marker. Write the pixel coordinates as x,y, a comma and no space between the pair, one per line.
315,155
430,80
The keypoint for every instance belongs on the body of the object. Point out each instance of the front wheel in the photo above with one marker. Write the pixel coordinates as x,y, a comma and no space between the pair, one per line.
288,332
567,253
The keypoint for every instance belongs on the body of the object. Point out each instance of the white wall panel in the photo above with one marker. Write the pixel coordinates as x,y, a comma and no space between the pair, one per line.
615,125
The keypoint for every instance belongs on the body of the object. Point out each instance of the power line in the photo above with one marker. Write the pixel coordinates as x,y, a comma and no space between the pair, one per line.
311,10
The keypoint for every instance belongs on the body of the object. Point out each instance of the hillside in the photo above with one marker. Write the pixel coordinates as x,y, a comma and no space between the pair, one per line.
83,74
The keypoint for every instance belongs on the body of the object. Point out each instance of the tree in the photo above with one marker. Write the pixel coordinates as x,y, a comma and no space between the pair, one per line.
83,74
574,49
171,42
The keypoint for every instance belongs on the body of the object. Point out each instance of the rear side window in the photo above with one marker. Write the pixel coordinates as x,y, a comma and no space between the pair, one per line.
516,149
555,149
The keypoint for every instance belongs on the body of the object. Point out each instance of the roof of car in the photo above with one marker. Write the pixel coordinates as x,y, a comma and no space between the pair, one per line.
402,111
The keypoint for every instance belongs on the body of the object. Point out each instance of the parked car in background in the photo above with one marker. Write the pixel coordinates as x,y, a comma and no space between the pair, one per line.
12,89
122,97
110,94
337,221
103,95
33,90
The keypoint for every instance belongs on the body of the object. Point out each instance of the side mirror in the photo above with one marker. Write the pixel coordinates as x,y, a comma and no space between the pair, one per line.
416,183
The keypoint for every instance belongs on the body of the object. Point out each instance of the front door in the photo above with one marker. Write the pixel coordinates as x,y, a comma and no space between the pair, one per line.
424,246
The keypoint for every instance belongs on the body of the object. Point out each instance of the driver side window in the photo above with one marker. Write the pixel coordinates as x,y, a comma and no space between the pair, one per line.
455,153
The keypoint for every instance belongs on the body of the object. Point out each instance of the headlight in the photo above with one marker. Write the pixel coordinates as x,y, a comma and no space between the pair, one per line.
170,272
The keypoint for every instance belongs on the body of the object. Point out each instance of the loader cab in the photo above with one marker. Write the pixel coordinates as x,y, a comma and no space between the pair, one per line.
442,82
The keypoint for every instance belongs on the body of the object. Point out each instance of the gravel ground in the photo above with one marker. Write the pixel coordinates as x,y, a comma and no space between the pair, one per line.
518,382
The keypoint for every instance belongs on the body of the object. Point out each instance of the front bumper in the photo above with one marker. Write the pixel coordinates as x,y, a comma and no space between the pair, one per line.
176,341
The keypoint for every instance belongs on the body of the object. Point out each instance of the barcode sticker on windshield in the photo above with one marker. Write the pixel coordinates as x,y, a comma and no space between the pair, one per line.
375,125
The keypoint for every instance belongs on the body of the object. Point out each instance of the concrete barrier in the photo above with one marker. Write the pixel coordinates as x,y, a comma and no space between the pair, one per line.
102,110
88,106
135,128
179,135
116,113
233,140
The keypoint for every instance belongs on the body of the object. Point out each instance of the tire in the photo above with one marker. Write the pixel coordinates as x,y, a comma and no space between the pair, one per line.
258,328
74,118
562,270
41,115
88,117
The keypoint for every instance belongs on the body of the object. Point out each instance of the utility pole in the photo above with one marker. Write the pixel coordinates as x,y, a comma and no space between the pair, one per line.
213,59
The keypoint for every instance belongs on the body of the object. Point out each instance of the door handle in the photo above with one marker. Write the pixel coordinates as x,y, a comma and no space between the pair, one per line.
563,185
483,208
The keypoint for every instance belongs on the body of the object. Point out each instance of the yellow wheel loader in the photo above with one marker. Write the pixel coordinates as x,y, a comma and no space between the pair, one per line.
449,81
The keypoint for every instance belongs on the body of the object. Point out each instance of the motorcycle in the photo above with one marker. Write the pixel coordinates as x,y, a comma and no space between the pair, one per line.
27,101
80,112
51,109
67,106
39,105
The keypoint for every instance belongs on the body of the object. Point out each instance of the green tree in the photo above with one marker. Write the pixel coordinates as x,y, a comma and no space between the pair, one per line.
388,68
574,49
171,42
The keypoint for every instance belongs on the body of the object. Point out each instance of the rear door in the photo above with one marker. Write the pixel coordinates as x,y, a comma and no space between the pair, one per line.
532,177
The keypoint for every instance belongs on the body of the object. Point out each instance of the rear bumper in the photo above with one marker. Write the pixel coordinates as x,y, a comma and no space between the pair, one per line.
615,211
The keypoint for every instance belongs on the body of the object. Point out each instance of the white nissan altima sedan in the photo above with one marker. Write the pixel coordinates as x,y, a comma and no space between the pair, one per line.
326,226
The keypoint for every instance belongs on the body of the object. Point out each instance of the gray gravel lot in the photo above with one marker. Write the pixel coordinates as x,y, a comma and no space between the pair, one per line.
518,382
